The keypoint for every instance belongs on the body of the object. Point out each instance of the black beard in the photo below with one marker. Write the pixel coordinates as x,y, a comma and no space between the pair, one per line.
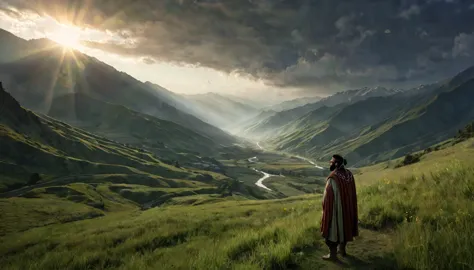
332,167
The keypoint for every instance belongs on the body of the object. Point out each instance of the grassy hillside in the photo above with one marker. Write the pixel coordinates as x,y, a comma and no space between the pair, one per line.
232,234
269,126
431,204
438,120
62,154
381,128
418,221
126,126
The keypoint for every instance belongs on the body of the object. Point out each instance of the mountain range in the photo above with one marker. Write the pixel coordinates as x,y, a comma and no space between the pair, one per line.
36,77
379,127
124,125
366,124
293,103
270,122
33,143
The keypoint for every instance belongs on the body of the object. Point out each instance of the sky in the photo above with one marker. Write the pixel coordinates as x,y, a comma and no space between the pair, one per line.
271,49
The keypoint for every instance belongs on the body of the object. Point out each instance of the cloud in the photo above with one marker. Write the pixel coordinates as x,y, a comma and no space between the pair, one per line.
464,45
411,11
311,44
148,60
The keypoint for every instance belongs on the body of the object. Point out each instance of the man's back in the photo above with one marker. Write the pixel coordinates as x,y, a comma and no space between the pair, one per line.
340,204
339,222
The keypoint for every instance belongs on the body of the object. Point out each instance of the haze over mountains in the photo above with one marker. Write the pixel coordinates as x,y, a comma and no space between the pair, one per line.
370,125
36,77
366,124
44,145
291,104
277,119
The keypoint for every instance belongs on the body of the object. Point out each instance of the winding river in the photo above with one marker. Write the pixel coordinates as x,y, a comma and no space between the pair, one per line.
259,183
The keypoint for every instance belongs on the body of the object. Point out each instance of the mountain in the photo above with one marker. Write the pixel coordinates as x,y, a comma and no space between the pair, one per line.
31,143
215,109
352,96
220,110
264,128
127,126
294,103
47,72
9,47
259,104
381,128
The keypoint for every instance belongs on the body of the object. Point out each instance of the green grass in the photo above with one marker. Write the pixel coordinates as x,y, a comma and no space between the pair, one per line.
166,236
230,234
418,216
462,153
433,214
21,214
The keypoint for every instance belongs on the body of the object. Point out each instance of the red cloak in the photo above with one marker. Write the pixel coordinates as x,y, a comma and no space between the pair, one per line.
347,189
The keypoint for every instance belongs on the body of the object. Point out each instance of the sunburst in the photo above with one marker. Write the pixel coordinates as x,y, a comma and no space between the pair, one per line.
67,36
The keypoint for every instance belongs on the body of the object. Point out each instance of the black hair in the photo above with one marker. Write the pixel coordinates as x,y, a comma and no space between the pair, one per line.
340,160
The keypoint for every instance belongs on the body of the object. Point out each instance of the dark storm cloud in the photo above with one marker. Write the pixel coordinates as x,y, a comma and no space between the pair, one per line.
303,43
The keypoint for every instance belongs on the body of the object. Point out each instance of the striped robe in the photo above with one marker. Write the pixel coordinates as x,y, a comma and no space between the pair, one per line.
340,221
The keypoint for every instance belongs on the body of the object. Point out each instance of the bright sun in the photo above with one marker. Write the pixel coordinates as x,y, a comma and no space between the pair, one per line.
67,36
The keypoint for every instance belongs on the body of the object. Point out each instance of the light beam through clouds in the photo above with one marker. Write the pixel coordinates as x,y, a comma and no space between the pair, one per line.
182,78
278,47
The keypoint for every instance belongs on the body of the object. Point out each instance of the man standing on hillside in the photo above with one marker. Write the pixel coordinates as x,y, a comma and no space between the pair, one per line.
339,223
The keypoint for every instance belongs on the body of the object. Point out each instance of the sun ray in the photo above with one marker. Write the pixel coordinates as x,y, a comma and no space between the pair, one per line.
67,36
53,82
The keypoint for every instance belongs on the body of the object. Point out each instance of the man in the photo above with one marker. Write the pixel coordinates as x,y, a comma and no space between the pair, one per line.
339,223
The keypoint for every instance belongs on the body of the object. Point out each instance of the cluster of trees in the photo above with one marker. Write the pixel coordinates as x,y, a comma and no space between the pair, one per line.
466,133
228,187
34,178
410,159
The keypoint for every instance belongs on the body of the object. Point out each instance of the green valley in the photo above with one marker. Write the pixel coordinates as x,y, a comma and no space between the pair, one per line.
378,128
403,225
212,134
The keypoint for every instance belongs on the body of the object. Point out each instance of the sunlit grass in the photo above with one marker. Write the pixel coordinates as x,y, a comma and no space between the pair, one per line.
247,233
420,221
432,213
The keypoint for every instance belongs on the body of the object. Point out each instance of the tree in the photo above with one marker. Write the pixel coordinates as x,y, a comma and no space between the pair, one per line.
34,178
176,164
466,132
410,159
